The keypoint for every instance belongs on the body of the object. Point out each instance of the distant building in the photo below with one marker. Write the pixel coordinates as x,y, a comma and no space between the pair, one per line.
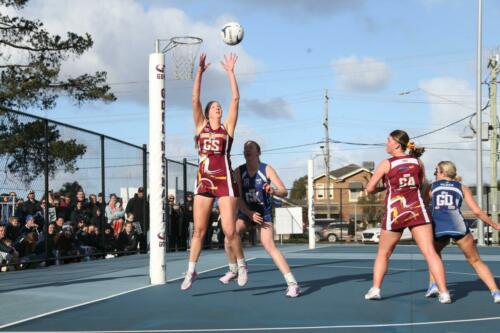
347,186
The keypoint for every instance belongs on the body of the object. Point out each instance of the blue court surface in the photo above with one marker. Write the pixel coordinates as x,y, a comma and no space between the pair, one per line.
113,295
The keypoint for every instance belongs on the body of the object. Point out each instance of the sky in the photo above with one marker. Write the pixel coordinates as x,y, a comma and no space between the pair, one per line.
365,54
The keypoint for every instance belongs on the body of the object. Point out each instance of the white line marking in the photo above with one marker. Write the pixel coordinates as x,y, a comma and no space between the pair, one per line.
296,328
101,299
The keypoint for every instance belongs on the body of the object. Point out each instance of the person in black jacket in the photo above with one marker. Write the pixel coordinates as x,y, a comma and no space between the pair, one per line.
128,240
14,230
135,206
8,253
31,205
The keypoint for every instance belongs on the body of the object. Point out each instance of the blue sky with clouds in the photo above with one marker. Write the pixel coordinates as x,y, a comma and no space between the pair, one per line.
364,52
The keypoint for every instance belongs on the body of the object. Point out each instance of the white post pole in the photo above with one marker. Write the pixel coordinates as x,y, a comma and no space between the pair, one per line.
479,123
157,194
355,221
310,197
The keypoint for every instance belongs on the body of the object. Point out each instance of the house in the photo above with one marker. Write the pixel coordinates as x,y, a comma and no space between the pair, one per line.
347,186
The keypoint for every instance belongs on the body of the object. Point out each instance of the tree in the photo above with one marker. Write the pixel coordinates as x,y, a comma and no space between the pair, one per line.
299,189
23,145
70,189
30,76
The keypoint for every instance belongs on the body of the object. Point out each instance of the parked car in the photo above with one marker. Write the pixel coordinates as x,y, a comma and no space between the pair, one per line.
334,232
372,235
488,231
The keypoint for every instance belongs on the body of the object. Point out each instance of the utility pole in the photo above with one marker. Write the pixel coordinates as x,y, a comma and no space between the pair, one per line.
493,66
327,154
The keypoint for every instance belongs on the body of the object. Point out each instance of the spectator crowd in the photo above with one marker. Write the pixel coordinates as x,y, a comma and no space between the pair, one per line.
78,229
75,230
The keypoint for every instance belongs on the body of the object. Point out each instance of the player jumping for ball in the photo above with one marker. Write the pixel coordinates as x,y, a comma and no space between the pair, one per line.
215,176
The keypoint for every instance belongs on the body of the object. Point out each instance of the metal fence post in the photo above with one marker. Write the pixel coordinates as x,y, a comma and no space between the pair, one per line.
145,215
46,176
103,192
184,180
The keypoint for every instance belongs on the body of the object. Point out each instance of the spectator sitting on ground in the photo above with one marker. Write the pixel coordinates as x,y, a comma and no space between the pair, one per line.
13,229
30,226
64,243
96,217
8,253
51,239
93,236
59,224
110,242
78,213
26,245
128,240
114,209
118,225
135,223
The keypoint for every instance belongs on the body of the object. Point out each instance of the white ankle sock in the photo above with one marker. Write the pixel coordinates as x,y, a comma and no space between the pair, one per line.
241,262
289,278
191,266
233,267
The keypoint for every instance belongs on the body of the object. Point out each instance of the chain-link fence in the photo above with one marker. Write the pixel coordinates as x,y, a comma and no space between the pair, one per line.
57,184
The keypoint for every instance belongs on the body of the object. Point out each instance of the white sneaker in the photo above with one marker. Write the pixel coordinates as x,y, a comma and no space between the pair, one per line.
444,298
433,291
188,280
293,290
373,293
496,296
242,275
228,277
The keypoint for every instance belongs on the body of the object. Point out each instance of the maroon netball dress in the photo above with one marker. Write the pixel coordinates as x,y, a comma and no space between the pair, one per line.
403,201
215,176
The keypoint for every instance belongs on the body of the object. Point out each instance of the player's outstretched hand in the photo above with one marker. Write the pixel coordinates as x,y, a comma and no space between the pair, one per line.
229,61
203,65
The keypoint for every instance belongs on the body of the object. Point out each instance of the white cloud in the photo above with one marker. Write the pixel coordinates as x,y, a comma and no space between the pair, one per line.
273,108
124,33
360,74
461,93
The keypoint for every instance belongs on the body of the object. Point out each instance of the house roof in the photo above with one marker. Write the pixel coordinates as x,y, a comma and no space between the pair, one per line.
344,172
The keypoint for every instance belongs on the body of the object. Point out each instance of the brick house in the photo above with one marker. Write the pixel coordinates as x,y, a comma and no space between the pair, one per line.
347,185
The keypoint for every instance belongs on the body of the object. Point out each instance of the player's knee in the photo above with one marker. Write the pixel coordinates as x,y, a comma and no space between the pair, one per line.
473,260
199,233
230,236
385,253
268,246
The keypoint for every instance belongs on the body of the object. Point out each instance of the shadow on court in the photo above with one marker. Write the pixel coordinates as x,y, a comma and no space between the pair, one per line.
71,282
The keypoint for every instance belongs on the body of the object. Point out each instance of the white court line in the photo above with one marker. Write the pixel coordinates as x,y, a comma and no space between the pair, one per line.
101,299
292,328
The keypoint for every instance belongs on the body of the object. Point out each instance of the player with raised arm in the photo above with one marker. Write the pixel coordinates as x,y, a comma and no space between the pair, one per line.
215,175
448,194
